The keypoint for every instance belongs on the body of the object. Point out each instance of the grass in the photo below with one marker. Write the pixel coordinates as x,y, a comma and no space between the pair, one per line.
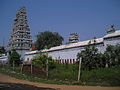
64,72
26,76
68,75
102,77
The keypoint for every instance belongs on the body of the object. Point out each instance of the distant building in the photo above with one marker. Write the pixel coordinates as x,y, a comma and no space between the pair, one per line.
30,55
20,39
3,59
68,53
73,38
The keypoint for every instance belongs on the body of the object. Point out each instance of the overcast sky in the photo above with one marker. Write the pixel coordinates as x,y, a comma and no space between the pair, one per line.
88,18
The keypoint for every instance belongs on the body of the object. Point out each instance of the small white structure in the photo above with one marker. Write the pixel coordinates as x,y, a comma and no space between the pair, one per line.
30,55
3,59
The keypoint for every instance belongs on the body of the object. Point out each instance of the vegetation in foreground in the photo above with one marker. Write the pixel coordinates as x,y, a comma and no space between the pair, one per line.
100,69
97,69
67,75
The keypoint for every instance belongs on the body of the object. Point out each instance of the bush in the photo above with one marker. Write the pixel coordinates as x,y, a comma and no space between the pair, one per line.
42,61
65,72
103,76
14,58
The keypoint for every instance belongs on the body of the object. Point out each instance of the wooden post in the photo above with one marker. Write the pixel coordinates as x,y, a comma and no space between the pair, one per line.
46,61
47,68
79,70
31,68
13,64
2,63
21,68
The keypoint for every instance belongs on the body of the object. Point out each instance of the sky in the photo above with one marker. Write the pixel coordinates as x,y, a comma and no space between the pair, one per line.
88,18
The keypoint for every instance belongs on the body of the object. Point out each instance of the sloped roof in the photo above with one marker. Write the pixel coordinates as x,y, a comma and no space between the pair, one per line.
31,52
78,44
72,45
116,33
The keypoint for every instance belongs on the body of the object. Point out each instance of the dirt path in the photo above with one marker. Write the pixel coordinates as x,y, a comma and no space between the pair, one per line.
7,79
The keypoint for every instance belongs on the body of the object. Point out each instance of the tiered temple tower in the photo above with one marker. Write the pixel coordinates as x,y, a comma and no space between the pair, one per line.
20,39
73,38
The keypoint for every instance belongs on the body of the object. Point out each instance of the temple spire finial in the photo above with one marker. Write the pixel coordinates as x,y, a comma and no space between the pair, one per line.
111,29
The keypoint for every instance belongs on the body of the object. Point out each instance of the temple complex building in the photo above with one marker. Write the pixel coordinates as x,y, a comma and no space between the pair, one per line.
73,38
68,53
20,38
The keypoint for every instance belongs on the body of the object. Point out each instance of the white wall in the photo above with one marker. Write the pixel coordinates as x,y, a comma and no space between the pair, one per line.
4,58
29,57
71,53
112,41
22,53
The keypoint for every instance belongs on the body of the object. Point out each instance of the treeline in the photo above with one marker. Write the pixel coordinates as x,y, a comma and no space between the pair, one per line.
92,58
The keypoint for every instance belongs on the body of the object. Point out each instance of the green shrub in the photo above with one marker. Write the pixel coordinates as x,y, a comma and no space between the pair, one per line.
65,72
42,61
103,76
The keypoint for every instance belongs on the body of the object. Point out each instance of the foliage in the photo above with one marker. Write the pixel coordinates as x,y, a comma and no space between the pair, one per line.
14,58
101,77
2,50
48,39
42,61
64,72
91,58
112,55
26,76
68,75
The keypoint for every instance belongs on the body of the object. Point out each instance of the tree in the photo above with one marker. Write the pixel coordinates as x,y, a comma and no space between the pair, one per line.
91,58
112,55
117,50
2,50
14,57
42,61
48,39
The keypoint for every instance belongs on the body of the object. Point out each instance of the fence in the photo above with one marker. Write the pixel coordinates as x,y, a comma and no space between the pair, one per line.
34,70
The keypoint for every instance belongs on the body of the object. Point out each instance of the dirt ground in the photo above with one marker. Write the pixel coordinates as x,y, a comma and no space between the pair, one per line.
7,82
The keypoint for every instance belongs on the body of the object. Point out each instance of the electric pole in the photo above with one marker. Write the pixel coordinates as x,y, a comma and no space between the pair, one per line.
46,62
79,70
